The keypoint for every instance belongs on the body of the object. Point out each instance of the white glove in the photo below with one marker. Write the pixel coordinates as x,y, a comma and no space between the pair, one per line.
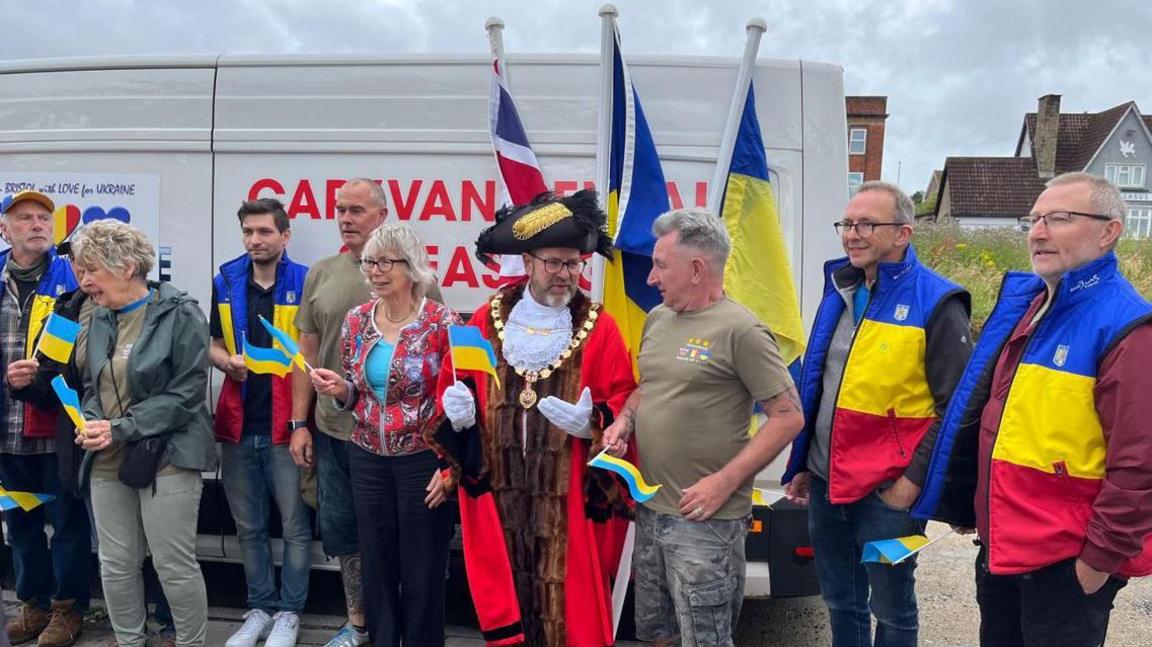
459,406
574,419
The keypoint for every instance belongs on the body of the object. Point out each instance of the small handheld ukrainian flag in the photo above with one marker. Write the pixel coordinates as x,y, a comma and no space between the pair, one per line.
470,351
70,399
288,343
266,360
640,490
26,501
58,338
895,551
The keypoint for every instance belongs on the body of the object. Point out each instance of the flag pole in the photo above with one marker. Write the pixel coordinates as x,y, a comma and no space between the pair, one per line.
608,15
495,28
755,29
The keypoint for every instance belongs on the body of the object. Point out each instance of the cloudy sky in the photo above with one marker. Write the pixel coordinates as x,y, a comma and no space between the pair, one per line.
959,74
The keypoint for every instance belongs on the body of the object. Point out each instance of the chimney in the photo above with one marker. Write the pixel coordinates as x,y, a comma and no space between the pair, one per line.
1046,133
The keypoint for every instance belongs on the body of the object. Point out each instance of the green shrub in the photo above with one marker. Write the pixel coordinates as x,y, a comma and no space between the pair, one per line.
978,259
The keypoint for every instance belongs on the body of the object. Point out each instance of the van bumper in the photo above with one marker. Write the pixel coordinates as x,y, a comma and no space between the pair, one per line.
779,553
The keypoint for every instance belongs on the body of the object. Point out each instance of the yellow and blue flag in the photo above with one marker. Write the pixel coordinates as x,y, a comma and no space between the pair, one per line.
759,274
58,338
471,351
289,344
640,490
266,360
892,551
70,399
637,194
26,501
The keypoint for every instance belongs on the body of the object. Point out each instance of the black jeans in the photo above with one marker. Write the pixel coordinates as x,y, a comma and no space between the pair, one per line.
403,545
1044,608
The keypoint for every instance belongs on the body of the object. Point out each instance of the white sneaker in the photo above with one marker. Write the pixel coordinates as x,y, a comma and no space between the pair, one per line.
255,628
285,630
348,637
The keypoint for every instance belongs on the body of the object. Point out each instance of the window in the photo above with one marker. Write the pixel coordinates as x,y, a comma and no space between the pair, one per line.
1125,176
857,140
854,182
1139,223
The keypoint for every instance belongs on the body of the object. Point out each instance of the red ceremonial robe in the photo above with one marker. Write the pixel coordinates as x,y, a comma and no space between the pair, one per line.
543,532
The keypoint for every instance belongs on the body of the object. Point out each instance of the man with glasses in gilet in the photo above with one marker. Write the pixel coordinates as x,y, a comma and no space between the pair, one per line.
1046,448
888,345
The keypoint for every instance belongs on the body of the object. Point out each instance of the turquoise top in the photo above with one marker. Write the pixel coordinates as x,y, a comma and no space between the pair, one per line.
378,366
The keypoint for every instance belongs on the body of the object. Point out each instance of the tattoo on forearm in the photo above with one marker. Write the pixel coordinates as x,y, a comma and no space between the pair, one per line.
352,574
786,402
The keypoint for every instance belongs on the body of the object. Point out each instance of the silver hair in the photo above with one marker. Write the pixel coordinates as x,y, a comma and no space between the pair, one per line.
905,211
699,229
1106,198
401,239
113,245
374,188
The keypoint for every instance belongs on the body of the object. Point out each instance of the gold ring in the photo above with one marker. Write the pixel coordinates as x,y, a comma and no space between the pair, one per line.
699,509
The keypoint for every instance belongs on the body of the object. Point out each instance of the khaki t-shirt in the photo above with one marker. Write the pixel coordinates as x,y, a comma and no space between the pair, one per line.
115,394
334,286
700,374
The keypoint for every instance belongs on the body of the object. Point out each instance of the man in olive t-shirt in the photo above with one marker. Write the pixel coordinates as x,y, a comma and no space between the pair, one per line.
704,360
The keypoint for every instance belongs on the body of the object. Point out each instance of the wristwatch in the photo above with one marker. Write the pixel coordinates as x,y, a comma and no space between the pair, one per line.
293,425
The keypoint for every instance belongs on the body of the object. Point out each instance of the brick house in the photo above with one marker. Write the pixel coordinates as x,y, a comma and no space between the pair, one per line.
995,191
866,119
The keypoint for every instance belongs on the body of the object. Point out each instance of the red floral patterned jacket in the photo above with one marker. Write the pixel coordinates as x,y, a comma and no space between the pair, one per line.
395,427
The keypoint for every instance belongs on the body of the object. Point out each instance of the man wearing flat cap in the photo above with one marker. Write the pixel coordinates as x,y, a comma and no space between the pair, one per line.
51,580
543,532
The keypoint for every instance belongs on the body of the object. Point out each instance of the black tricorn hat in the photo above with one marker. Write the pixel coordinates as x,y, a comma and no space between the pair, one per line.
576,221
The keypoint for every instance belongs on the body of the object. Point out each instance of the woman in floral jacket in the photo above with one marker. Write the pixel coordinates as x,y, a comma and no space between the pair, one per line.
392,352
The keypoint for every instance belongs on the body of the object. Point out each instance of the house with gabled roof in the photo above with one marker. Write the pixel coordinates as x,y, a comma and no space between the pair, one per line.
995,191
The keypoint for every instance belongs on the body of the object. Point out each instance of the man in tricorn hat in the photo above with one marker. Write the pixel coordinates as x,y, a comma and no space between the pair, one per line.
543,532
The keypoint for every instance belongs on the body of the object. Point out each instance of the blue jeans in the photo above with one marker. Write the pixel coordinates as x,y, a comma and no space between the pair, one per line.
255,471
689,578
335,513
44,573
839,533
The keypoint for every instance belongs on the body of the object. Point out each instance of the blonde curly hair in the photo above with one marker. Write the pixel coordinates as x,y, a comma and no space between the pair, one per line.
113,245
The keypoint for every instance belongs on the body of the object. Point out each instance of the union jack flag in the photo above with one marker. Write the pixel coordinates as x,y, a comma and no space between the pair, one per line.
519,170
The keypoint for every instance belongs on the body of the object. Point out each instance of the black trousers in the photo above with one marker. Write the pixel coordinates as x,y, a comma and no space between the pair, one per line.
1044,608
403,547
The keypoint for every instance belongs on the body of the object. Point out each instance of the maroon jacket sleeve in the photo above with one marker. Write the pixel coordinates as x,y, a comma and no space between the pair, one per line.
1122,512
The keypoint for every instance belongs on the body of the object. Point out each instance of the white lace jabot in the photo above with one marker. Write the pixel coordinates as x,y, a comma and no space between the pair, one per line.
536,334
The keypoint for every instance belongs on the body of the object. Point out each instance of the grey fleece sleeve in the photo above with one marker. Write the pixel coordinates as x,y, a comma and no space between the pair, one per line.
949,343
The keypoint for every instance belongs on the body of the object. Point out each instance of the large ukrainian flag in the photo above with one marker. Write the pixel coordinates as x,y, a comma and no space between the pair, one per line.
637,194
759,274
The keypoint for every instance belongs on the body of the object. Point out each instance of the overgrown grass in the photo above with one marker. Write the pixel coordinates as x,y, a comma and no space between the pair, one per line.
978,259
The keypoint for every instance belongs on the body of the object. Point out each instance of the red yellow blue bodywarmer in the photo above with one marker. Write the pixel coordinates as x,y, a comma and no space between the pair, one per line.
884,405
1030,483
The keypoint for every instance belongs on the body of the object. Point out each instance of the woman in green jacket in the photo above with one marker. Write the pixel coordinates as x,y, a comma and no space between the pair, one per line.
148,434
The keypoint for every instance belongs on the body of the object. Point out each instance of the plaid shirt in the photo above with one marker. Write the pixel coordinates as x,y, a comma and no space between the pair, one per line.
13,328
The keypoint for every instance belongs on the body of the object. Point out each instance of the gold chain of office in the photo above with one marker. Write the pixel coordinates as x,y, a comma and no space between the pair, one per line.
528,397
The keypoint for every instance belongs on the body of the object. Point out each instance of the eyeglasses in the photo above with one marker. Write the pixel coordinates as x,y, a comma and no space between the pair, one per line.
1057,219
864,228
382,264
553,266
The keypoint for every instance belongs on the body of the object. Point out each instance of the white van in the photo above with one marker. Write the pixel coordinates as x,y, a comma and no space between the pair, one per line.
174,144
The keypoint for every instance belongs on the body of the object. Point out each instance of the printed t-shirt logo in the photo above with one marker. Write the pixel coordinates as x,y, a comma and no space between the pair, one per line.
695,351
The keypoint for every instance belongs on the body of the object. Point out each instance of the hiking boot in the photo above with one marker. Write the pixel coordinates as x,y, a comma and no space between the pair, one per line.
63,626
27,624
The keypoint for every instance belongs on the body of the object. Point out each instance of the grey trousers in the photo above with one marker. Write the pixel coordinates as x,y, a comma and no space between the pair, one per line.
131,521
